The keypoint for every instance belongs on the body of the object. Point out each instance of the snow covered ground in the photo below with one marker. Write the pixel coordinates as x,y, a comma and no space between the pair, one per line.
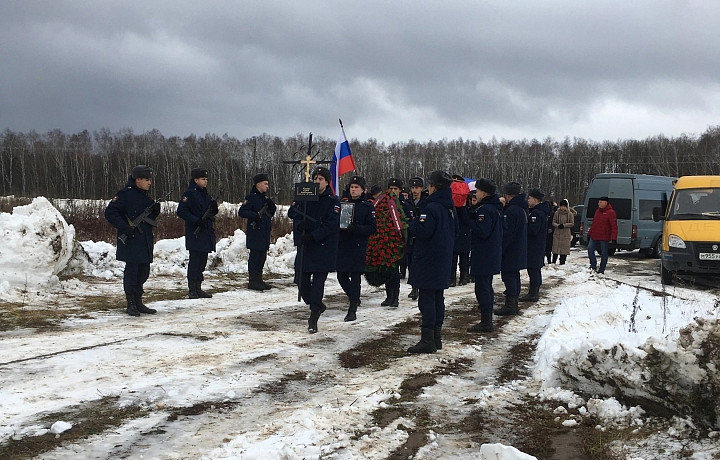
238,376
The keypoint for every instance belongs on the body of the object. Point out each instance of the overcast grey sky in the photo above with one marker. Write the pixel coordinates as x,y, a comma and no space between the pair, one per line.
392,70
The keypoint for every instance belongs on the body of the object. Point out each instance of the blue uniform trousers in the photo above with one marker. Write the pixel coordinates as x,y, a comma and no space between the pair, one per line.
535,275
196,265
256,263
312,289
484,292
431,303
512,283
350,284
134,277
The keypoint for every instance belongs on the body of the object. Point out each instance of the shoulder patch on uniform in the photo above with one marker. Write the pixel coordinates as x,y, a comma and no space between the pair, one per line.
373,212
480,217
534,218
423,217
336,208
184,199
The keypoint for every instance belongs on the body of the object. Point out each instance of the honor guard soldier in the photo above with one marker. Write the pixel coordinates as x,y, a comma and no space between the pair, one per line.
486,244
414,203
514,246
538,214
132,212
315,231
259,210
352,247
434,231
198,210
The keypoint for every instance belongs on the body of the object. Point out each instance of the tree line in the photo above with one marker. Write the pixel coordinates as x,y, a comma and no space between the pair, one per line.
95,165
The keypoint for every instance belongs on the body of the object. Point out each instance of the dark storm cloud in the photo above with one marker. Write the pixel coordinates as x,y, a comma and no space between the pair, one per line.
392,71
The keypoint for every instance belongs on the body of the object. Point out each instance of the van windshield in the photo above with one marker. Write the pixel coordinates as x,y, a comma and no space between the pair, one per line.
691,204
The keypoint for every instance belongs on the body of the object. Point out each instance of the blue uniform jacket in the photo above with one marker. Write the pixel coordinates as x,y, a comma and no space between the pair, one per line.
487,235
193,204
353,244
321,254
434,231
537,235
412,210
462,241
514,247
127,204
257,232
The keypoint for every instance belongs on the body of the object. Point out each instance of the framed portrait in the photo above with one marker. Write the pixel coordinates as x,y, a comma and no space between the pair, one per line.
346,214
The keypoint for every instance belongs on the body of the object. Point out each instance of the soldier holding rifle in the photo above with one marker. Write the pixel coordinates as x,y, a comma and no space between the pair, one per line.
198,209
132,212
258,209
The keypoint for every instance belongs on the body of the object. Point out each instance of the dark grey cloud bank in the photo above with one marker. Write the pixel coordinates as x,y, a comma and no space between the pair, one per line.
391,70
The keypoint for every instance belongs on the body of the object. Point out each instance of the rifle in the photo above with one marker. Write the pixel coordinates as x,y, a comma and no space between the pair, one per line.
263,210
206,215
143,217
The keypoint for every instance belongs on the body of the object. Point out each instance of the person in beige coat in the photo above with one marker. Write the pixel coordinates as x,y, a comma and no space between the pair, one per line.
562,222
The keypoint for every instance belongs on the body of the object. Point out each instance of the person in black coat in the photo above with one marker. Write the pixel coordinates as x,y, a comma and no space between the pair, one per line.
434,231
487,235
536,241
414,204
258,209
514,246
137,251
316,232
352,245
198,210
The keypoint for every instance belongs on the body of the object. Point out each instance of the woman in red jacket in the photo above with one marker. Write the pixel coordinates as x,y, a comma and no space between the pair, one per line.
602,231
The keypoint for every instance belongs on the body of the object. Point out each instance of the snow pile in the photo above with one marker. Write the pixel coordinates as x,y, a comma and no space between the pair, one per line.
650,349
36,244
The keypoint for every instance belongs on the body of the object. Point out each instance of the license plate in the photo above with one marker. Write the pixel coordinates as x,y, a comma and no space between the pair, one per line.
709,256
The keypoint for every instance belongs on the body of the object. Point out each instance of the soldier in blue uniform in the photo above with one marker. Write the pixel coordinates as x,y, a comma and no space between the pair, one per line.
198,210
353,243
487,234
434,231
539,212
392,286
137,251
258,209
412,208
315,231
514,246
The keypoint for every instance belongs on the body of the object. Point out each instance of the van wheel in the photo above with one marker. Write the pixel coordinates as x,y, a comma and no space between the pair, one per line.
611,251
655,254
666,275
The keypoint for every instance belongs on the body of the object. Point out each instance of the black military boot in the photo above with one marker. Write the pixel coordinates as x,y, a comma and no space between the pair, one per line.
352,310
141,307
413,293
313,320
388,297
265,285
426,343
532,295
485,324
131,305
395,299
192,293
464,278
201,294
509,309
438,337
255,284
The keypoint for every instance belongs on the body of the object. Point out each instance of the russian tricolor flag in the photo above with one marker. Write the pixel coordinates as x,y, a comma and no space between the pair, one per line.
342,161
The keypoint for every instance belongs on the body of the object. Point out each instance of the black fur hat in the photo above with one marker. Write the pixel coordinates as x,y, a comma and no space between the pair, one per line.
512,188
486,185
359,180
439,179
142,172
320,171
417,182
394,182
536,193
262,177
198,173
